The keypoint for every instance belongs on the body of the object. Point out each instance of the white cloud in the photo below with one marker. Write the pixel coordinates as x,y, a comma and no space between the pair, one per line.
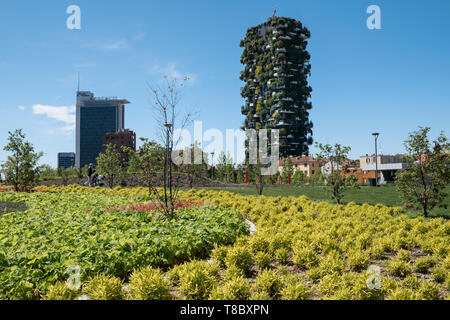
138,36
115,46
171,72
21,108
64,114
66,130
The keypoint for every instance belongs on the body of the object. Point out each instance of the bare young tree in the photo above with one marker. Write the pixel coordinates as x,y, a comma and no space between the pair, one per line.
169,117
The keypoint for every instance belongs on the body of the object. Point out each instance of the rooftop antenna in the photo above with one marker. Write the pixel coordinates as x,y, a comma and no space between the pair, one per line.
274,12
78,82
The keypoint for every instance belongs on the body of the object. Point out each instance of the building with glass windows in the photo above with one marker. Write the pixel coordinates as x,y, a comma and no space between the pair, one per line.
66,160
94,118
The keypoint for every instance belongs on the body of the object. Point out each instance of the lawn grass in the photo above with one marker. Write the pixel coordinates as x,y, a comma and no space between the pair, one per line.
386,194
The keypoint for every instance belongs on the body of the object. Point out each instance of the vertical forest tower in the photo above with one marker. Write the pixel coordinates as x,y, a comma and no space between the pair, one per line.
276,92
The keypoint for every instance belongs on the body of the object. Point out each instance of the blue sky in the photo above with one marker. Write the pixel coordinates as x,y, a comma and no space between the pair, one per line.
389,80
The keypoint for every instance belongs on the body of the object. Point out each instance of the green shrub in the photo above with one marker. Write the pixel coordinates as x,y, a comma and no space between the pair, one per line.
429,291
173,274
403,294
447,283
258,243
262,295
363,292
397,267
279,241
358,260
341,294
305,258
60,291
270,282
315,273
295,289
234,289
376,251
263,260
104,287
332,263
197,279
439,274
149,284
282,255
240,257
329,284
219,254
422,265
233,272
404,255
411,282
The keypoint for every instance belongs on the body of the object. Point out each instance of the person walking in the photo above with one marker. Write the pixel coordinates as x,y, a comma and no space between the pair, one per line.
89,175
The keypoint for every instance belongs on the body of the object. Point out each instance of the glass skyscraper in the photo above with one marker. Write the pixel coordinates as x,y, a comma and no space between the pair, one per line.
94,118
66,159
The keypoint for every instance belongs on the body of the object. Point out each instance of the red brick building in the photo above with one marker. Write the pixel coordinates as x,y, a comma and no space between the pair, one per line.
120,138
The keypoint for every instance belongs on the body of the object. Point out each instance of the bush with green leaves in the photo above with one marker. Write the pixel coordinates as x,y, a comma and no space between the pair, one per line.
233,272
429,291
241,257
305,257
295,289
363,292
104,287
423,264
60,291
397,267
233,289
358,260
197,279
404,255
263,260
219,254
269,282
440,274
403,294
411,282
149,284
63,229
282,255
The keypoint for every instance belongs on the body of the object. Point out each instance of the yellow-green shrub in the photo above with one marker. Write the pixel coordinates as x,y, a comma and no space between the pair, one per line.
60,291
397,267
403,294
268,281
263,260
219,253
305,257
404,255
358,260
429,291
104,287
411,282
282,255
233,289
240,257
197,279
149,284
295,289
423,264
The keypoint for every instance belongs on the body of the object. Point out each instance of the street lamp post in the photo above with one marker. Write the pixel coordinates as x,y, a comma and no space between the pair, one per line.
212,165
376,135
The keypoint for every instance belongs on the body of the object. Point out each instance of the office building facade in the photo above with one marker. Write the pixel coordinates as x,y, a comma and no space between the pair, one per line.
94,118
121,138
66,160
